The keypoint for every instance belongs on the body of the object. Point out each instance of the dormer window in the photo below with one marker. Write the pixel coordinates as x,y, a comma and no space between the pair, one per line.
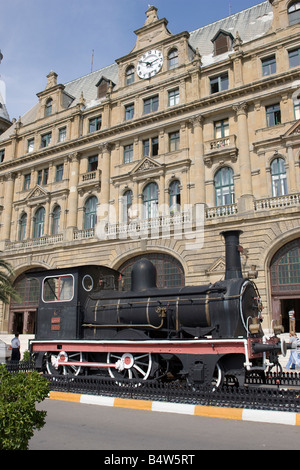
48,107
222,42
129,75
173,59
294,13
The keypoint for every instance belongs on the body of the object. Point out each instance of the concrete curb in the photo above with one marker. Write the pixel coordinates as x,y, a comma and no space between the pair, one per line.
261,416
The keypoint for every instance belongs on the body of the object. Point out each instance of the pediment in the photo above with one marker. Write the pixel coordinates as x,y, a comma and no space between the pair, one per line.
145,165
294,130
217,266
37,193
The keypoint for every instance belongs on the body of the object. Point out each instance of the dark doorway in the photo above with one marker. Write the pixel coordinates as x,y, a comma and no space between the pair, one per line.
286,305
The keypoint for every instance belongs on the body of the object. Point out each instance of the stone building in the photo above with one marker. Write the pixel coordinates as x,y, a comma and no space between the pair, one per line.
187,135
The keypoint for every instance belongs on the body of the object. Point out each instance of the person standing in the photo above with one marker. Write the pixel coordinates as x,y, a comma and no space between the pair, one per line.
15,344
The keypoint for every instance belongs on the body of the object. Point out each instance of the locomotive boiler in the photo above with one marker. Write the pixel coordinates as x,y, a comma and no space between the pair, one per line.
203,334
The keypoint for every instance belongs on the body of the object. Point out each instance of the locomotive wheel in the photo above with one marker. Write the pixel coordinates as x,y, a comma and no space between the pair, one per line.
54,369
130,365
218,377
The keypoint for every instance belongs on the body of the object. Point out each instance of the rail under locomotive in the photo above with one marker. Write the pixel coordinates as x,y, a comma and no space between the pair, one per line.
204,334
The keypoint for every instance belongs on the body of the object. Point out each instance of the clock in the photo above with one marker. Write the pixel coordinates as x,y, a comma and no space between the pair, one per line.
149,64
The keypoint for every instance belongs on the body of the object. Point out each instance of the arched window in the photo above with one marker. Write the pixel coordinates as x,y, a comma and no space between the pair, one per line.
48,108
22,227
173,59
39,223
129,75
90,216
278,176
170,272
174,192
294,13
150,201
224,187
55,220
126,204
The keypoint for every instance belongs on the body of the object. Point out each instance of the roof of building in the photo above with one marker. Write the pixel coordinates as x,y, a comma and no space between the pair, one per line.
250,24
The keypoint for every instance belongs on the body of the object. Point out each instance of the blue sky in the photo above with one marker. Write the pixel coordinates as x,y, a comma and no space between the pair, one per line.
37,36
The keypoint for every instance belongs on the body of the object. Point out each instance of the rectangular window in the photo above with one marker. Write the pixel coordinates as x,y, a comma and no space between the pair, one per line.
62,134
129,111
273,115
294,57
174,97
27,179
2,154
128,153
269,66
46,140
42,177
95,124
173,141
219,83
93,163
58,288
30,145
150,147
59,173
151,105
221,129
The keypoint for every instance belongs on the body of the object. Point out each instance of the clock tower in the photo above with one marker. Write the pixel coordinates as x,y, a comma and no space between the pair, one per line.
149,57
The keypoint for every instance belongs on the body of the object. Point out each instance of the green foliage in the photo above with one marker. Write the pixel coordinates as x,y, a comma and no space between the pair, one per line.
18,415
6,288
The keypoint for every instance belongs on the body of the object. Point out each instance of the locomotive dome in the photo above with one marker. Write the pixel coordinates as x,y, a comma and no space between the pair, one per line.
143,275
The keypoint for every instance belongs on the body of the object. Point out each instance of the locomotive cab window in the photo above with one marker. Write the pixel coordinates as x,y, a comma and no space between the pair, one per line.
58,288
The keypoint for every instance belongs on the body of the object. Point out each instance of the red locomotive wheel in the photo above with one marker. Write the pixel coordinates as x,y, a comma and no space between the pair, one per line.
130,365
54,366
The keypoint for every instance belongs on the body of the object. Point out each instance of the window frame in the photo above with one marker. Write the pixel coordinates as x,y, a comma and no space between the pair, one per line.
128,153
151,104
173,97
59,277
174,141
273,115
294,53
219,81
267,64
95,124
224,189
129,111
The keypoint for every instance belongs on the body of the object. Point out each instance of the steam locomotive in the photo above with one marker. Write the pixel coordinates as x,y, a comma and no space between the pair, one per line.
87,324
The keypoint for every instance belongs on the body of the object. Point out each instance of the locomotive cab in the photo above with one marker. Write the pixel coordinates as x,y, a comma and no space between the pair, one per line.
63,292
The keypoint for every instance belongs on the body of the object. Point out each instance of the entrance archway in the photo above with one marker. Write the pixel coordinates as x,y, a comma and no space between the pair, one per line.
285,283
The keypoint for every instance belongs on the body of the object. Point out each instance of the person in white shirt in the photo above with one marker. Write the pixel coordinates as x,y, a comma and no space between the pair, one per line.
15,344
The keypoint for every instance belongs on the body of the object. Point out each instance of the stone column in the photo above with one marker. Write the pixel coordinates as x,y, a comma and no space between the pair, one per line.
199,168
292,173
73,191
8,200
105,149
246,201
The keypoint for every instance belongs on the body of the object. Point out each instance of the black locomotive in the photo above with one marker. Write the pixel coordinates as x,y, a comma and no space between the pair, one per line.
204,334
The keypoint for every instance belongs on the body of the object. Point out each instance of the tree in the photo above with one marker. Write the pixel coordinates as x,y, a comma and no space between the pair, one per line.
6,288
18,416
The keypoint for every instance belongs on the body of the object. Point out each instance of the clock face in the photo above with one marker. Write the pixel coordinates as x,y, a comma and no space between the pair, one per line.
149,64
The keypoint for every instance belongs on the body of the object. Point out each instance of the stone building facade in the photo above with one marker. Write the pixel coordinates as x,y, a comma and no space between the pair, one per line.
187,135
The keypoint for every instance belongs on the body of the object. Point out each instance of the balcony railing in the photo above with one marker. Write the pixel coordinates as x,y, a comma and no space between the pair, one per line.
156,227
277,202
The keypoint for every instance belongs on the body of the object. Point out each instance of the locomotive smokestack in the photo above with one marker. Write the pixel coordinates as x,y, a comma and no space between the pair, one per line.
232,254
